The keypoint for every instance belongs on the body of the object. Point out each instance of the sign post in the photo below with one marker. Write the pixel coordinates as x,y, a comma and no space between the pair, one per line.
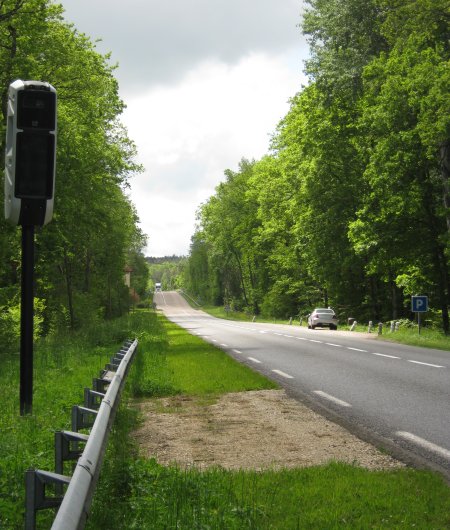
29,191
419,305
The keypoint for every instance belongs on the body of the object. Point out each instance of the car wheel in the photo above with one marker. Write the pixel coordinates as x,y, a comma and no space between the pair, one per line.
313,327
333,327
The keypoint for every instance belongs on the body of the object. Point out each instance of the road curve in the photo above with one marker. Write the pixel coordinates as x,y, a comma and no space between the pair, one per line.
394,395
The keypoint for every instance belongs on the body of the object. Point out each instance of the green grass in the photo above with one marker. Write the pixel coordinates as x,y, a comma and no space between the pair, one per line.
142,494
334,496
199,368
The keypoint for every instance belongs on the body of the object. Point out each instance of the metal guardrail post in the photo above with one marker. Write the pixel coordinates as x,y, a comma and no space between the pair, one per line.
92,398
36,498
67,448
82,418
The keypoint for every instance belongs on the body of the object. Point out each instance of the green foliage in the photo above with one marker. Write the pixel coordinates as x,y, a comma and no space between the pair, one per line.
81,254
352,207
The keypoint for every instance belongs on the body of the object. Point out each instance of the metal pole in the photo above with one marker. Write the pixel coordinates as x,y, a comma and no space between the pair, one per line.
26,321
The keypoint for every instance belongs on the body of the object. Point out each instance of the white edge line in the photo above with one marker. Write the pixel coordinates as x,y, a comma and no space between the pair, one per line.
332,398
283,374
424,443
426,364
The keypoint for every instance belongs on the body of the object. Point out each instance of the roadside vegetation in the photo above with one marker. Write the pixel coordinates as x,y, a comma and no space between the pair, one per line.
350,207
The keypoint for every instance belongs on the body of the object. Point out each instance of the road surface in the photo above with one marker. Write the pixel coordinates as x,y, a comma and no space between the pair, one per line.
394,395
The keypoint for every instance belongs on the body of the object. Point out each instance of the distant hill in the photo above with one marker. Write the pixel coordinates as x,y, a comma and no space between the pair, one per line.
164,259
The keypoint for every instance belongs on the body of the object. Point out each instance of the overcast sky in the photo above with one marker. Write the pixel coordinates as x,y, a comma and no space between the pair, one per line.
205,83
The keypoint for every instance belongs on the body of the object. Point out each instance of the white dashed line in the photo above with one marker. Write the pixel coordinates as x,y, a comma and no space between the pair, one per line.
331,344
318,341
278,334
288,336
426,364
332,398
263,331
283,374
224,345
424,443
385,355
356,349
254,360
213,340
301,338
237,351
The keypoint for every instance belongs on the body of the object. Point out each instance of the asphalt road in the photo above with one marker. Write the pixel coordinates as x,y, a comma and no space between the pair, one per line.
394,395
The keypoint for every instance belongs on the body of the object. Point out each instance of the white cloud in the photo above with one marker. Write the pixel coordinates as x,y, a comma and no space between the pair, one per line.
187,134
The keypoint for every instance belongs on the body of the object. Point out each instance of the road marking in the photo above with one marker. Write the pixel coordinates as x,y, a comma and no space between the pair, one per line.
426,364
332,398
301,338
355,349
312,340
224,345
279,334
283,374
254,360
386,355
331,344
213,340
288,336
424,443
237,351
263,331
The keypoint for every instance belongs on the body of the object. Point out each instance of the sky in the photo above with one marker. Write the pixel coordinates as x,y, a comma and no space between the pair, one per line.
205,83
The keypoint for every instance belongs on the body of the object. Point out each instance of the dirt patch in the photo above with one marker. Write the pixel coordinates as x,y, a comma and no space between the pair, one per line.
248,430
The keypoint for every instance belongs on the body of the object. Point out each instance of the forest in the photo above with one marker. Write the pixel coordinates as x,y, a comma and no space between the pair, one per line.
81,254
350,208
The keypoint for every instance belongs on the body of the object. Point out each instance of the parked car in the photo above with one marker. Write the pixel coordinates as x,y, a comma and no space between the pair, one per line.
324,318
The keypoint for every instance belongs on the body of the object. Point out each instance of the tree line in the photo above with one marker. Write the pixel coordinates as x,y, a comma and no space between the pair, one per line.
81,254
351,206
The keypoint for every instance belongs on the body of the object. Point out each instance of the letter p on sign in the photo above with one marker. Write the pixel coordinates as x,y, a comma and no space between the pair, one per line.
419,304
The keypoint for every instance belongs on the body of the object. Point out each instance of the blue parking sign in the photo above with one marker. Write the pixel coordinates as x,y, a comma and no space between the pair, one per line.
419,304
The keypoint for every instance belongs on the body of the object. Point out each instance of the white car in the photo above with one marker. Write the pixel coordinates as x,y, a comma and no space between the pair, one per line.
324,318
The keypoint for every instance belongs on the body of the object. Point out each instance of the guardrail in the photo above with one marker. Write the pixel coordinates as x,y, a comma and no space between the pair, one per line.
98,412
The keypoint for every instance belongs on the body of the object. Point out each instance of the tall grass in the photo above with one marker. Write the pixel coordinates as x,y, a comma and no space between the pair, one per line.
63,367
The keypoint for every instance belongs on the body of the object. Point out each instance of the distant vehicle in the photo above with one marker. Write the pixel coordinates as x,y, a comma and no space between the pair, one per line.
157,287
324,318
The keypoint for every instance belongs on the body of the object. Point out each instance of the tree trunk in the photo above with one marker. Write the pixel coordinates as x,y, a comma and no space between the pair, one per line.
444,162
69,290
241,275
